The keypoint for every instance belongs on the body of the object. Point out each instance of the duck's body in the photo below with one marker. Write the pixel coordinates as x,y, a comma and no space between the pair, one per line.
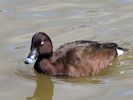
75,59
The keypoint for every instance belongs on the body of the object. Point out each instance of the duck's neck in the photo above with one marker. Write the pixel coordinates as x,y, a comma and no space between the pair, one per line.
45,56
44,64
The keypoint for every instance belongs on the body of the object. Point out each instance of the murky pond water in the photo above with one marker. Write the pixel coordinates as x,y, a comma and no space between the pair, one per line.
64,21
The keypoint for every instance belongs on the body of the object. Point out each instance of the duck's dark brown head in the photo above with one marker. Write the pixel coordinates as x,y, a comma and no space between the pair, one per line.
41,45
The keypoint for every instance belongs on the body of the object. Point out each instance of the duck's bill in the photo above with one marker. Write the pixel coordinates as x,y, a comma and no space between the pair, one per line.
31,57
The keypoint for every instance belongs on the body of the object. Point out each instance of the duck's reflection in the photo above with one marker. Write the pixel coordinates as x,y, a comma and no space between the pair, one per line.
44,89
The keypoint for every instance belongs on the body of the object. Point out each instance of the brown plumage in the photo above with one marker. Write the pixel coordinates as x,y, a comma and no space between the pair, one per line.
75,59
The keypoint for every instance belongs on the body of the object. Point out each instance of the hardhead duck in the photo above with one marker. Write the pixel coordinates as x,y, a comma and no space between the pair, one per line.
75,59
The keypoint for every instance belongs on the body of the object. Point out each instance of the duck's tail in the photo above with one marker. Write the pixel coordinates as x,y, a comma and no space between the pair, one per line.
121,50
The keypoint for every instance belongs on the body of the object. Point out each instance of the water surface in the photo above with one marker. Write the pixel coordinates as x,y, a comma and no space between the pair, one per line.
64,21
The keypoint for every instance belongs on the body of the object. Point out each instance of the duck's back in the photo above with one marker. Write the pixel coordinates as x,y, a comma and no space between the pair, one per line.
84,57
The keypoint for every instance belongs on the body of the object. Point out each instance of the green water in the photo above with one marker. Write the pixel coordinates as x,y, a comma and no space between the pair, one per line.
64,21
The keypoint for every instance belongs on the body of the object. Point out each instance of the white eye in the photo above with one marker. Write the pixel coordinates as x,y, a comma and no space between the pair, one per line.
42,42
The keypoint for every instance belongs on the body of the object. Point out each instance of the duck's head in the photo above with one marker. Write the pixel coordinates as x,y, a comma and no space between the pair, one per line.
41,45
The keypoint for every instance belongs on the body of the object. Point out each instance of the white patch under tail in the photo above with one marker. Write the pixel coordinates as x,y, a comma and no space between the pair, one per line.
120,51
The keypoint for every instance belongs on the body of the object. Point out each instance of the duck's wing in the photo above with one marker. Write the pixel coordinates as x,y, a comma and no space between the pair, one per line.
86,58
82,58
89,46
63,49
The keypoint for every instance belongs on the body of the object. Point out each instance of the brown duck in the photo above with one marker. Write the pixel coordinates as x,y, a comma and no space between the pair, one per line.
75,59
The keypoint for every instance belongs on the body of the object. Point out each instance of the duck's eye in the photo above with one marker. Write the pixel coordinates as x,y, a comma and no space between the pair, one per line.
42,43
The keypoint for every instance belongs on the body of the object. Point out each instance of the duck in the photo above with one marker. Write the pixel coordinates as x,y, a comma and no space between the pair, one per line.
74,59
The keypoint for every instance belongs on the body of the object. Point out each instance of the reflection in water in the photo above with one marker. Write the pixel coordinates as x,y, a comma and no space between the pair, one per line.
44,89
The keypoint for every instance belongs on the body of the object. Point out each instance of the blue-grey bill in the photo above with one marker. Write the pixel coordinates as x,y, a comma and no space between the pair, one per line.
31,57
